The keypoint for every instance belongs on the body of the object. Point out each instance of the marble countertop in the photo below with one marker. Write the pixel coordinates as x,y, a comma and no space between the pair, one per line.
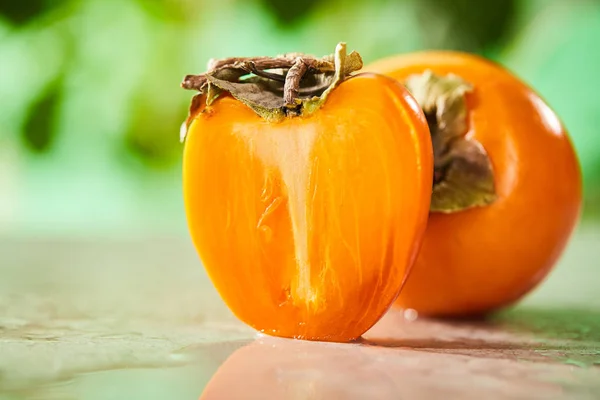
138,319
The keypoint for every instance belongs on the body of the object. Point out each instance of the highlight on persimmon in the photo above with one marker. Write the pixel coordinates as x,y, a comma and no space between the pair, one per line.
307,190
507,184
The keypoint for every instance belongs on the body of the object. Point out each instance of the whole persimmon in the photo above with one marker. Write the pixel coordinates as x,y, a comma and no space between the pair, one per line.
306,190
507,184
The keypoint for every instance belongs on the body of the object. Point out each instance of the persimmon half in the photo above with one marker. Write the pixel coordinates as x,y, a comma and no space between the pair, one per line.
307,216
507,185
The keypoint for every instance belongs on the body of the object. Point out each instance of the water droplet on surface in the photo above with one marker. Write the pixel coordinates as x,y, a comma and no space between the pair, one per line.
410,314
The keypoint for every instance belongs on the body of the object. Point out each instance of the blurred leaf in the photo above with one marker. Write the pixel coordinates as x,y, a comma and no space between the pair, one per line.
169,10
288,12
468,25
153,136
154,148
372,28
591,206
39,131
21,12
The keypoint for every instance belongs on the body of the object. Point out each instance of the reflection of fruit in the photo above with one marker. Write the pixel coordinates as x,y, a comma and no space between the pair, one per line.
274,369
476,260
308,226
281,369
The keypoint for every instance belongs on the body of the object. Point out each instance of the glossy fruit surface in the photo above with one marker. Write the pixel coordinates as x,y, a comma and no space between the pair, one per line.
477,260
307,227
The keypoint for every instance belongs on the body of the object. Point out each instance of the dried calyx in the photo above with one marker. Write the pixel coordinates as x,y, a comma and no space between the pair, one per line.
274,87
463,173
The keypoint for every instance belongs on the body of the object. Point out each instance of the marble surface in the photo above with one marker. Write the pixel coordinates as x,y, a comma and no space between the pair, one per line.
138,319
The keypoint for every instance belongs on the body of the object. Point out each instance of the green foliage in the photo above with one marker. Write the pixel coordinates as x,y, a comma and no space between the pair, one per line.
19,13
39,129
91,97
287,13
467,25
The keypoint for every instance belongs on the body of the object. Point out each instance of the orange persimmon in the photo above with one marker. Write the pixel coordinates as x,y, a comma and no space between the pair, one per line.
307,224
493,249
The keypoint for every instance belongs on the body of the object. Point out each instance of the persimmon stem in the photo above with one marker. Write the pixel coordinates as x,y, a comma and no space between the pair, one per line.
294,66
261,63
292,82
290,85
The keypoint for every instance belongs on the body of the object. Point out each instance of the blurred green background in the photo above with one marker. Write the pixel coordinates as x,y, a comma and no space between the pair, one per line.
90,104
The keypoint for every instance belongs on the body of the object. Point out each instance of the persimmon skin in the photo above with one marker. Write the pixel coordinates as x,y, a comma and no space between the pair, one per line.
307,227
479,260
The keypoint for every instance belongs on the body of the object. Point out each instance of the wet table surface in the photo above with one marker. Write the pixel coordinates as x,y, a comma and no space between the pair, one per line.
138,319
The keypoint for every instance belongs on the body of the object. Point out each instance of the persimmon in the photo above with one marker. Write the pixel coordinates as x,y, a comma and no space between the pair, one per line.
306,191
507,185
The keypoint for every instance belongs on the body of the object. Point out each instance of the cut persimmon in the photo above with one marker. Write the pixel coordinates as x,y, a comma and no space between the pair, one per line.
306,205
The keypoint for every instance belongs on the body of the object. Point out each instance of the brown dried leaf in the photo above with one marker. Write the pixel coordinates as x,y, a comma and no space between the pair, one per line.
256,95
468,179
464,176
264,94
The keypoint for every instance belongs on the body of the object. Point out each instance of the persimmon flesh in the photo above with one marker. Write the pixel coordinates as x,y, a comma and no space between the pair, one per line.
483,258
308,226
